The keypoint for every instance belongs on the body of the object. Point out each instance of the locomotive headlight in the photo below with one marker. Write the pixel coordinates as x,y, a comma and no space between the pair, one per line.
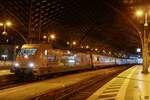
26,56
16,64
31,65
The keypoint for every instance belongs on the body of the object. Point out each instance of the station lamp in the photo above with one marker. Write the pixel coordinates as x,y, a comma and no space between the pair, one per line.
96,49
74,42
68,43
1,24
87,46
17,47
52,36
139,13
44,37
8,23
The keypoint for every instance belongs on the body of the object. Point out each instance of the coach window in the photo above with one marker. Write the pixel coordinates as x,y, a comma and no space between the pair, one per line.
98,59
46,52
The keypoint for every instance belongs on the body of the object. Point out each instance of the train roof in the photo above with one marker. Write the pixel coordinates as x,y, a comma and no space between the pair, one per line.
37,45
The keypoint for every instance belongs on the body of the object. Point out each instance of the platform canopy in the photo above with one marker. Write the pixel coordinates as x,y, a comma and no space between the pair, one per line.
98,23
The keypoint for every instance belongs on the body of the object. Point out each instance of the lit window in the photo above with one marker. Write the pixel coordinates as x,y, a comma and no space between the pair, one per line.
46,52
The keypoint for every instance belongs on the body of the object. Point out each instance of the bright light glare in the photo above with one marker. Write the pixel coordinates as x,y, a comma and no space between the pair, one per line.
17,47
1,24
8,23
74,42
4,56
138,50
68,52
16,64
26,56
44,37
68,42
139,13
52,36
4,33
71,61
87,46
31,65
96,49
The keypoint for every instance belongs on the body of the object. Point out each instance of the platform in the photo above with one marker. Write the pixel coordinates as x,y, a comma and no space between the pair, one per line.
5,68
5,72
5,64
129,85
36,89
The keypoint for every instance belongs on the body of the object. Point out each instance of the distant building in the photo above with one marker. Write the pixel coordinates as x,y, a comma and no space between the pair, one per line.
6,52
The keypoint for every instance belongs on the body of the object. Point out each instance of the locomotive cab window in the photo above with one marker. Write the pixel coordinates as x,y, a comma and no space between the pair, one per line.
27,51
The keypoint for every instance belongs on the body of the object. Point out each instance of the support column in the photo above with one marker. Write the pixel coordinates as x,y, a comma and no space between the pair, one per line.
145,58
145,49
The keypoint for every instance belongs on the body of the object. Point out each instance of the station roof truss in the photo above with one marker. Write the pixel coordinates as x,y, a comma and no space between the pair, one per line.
92,22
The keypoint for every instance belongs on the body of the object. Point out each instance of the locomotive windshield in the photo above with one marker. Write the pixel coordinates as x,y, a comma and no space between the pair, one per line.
27,51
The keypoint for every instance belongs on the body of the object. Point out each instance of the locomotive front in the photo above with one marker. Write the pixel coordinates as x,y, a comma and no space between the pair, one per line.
26,60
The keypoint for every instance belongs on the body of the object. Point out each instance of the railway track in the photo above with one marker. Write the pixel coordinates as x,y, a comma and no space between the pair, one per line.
83,92
9,81
83,89
6,80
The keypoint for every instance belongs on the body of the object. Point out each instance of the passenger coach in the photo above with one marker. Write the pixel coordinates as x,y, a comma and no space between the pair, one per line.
42,59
